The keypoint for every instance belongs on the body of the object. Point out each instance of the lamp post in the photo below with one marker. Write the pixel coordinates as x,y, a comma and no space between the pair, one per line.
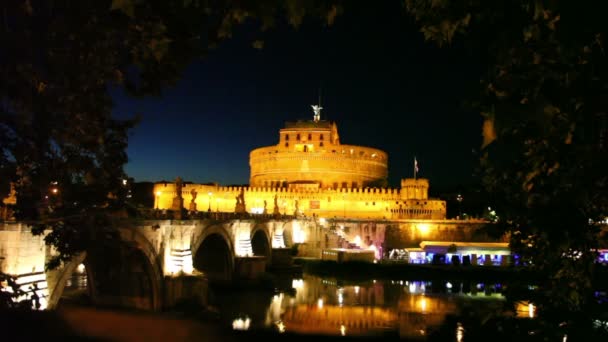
158,193
210,194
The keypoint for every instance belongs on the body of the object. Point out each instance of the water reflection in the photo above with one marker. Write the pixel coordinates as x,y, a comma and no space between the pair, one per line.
403,308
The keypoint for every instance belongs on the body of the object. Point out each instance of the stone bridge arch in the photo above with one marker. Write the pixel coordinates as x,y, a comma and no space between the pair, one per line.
261,241
136,281
213,252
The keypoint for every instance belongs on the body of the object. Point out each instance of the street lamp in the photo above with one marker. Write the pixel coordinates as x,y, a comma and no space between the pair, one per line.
210,194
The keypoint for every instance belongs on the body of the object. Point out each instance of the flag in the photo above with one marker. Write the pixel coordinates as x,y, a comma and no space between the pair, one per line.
415,165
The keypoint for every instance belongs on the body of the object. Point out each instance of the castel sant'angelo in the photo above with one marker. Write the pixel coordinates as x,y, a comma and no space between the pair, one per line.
310,172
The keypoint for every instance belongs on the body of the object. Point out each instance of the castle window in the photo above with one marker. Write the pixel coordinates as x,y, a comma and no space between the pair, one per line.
305,148
298,137
286,144
335,185
373,203
309,136
286,136
354,184
321,144
321,137
344,184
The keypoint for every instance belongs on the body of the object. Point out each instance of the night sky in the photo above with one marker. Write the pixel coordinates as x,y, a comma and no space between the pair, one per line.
381,82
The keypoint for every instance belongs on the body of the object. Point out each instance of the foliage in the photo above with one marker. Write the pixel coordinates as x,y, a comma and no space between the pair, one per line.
10,292
60,146
546,130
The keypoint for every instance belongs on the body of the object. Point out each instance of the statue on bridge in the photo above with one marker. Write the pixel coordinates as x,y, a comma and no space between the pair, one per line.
275,210
296,212
178,200
193,201
240,203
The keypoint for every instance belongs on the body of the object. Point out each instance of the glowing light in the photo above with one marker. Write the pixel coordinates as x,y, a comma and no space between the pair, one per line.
158,193
357,289
320,303
357,240
340,299
80,268
423,304
459,332
55,190
297,283
277,240
342,330
448,285
412,287
280,326
257,210
241,324
423,228
322,220
299,236
531,310
277,299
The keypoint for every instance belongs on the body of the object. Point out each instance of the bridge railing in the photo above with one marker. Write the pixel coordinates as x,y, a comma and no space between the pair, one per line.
158,214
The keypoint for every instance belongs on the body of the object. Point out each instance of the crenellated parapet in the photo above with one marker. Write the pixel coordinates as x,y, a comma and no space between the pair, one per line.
381,203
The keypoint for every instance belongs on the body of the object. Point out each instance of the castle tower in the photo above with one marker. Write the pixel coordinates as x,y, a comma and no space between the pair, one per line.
414,188
309,155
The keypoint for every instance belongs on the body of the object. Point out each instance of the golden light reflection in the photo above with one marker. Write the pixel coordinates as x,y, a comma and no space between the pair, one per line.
241,324
280,326
525,309
423,304
342,330
297,283
320,303
356,289
459,332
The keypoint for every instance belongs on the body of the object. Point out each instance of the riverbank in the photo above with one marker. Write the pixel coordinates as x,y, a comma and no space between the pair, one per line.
403,271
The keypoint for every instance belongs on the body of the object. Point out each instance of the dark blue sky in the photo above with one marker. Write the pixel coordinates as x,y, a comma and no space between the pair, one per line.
382,84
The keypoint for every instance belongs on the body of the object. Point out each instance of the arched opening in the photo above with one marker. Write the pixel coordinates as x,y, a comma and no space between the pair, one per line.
259,244
213,258
120,275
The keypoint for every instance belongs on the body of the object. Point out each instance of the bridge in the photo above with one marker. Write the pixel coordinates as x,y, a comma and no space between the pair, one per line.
153,263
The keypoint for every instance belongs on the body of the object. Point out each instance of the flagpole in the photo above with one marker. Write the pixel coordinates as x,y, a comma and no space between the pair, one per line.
415,167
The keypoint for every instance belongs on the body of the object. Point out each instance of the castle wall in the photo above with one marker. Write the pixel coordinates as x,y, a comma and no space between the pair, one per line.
376,203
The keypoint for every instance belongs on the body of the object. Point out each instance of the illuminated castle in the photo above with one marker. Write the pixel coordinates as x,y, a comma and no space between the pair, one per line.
310,172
